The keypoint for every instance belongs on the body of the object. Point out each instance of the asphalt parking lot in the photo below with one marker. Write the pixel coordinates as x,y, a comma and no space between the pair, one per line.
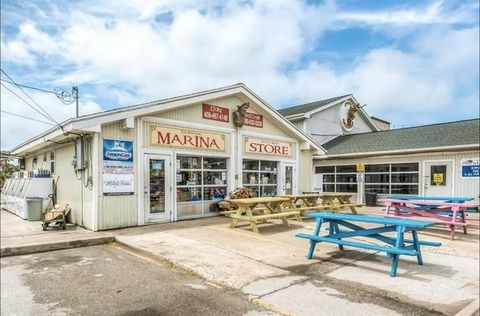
109,280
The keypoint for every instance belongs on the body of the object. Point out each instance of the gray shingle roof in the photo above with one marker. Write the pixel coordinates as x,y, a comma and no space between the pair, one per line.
307,107
427,136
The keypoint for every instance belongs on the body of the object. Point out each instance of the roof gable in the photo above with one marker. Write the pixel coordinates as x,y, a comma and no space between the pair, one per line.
308,107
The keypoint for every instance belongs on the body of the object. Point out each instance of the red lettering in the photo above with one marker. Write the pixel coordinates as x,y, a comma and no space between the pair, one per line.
163,139
188,139
214,143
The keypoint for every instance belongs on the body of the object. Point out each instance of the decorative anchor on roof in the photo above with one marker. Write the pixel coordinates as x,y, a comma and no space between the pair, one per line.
352,110
239,114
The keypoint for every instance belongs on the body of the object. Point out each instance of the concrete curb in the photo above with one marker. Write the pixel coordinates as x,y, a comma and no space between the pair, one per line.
471,309
66,244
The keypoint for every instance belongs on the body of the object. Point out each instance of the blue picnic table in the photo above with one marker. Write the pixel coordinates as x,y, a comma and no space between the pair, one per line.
395,246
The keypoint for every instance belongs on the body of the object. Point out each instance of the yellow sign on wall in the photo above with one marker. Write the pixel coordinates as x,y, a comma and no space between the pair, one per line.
438,178
360,167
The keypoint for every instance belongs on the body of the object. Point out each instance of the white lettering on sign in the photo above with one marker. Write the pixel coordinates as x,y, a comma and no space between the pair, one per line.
183,138
267,147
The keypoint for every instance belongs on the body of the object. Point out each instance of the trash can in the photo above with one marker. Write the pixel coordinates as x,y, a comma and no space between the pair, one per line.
34,209
371,199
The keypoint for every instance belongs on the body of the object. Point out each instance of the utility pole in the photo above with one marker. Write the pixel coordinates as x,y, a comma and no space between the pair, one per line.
69,98
75,95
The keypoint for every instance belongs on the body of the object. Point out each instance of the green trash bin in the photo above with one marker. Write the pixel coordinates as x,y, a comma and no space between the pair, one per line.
34,209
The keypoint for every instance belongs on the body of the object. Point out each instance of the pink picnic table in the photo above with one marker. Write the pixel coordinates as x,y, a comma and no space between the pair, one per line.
450,213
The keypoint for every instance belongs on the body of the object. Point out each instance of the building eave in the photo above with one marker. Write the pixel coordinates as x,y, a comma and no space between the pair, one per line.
398,152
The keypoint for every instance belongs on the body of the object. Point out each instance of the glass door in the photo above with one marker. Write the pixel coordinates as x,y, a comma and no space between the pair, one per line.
157,188
288,178
438,178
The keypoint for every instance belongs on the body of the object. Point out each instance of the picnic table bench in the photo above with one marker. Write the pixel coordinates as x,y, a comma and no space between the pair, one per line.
274,208
450,213
329,200
395,246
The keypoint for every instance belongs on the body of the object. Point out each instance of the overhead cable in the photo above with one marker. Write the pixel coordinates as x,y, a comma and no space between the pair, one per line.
28,118
26,102
35,102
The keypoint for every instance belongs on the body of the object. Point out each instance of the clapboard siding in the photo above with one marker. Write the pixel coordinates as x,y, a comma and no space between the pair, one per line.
116,211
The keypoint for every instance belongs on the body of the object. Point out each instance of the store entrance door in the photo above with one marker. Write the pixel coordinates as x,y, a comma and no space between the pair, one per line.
438,178
288,178
157,188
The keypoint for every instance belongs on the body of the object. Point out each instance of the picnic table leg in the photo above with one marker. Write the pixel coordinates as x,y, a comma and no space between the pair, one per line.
463,218
313,242
399,244
336,230
416,245
346,200
252,221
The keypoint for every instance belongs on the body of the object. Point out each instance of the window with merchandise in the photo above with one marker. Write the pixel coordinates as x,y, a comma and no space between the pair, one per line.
260,176
200,180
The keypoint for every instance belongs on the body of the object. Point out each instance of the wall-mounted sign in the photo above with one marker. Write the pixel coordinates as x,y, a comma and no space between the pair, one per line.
252,119
216,113
267,147
470,168
118,174
360,167
438,179
185,138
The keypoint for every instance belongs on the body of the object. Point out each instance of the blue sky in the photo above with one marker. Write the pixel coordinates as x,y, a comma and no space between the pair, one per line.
411,62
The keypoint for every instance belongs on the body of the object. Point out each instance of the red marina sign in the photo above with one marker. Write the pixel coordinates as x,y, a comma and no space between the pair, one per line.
216,113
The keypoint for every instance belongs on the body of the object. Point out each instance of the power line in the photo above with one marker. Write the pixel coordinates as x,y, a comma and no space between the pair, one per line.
28,87
39,106
25,101
28,118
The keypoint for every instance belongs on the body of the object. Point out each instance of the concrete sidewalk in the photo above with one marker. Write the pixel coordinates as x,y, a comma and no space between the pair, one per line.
272,270
19,236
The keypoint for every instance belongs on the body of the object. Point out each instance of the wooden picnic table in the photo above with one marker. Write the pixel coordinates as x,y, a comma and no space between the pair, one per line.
340,200
450,213
273,208
395,246
322,201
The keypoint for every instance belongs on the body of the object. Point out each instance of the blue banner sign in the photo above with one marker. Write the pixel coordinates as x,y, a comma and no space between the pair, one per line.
118,173
117,150
470,168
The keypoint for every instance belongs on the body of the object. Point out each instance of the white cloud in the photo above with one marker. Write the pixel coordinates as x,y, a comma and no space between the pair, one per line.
131,57
437,12
15,129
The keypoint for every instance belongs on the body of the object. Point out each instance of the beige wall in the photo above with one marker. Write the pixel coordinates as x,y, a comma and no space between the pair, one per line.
193,114
305,167
116,211
72,187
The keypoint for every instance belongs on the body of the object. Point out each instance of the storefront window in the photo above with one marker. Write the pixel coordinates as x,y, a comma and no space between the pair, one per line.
338,178
400,178
260,176
200,179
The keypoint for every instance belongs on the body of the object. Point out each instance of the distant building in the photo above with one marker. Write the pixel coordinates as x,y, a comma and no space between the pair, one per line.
381,124
438,159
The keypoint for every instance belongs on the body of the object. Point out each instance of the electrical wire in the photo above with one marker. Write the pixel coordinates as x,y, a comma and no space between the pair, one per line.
26,102
35,102
28,118
28,87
